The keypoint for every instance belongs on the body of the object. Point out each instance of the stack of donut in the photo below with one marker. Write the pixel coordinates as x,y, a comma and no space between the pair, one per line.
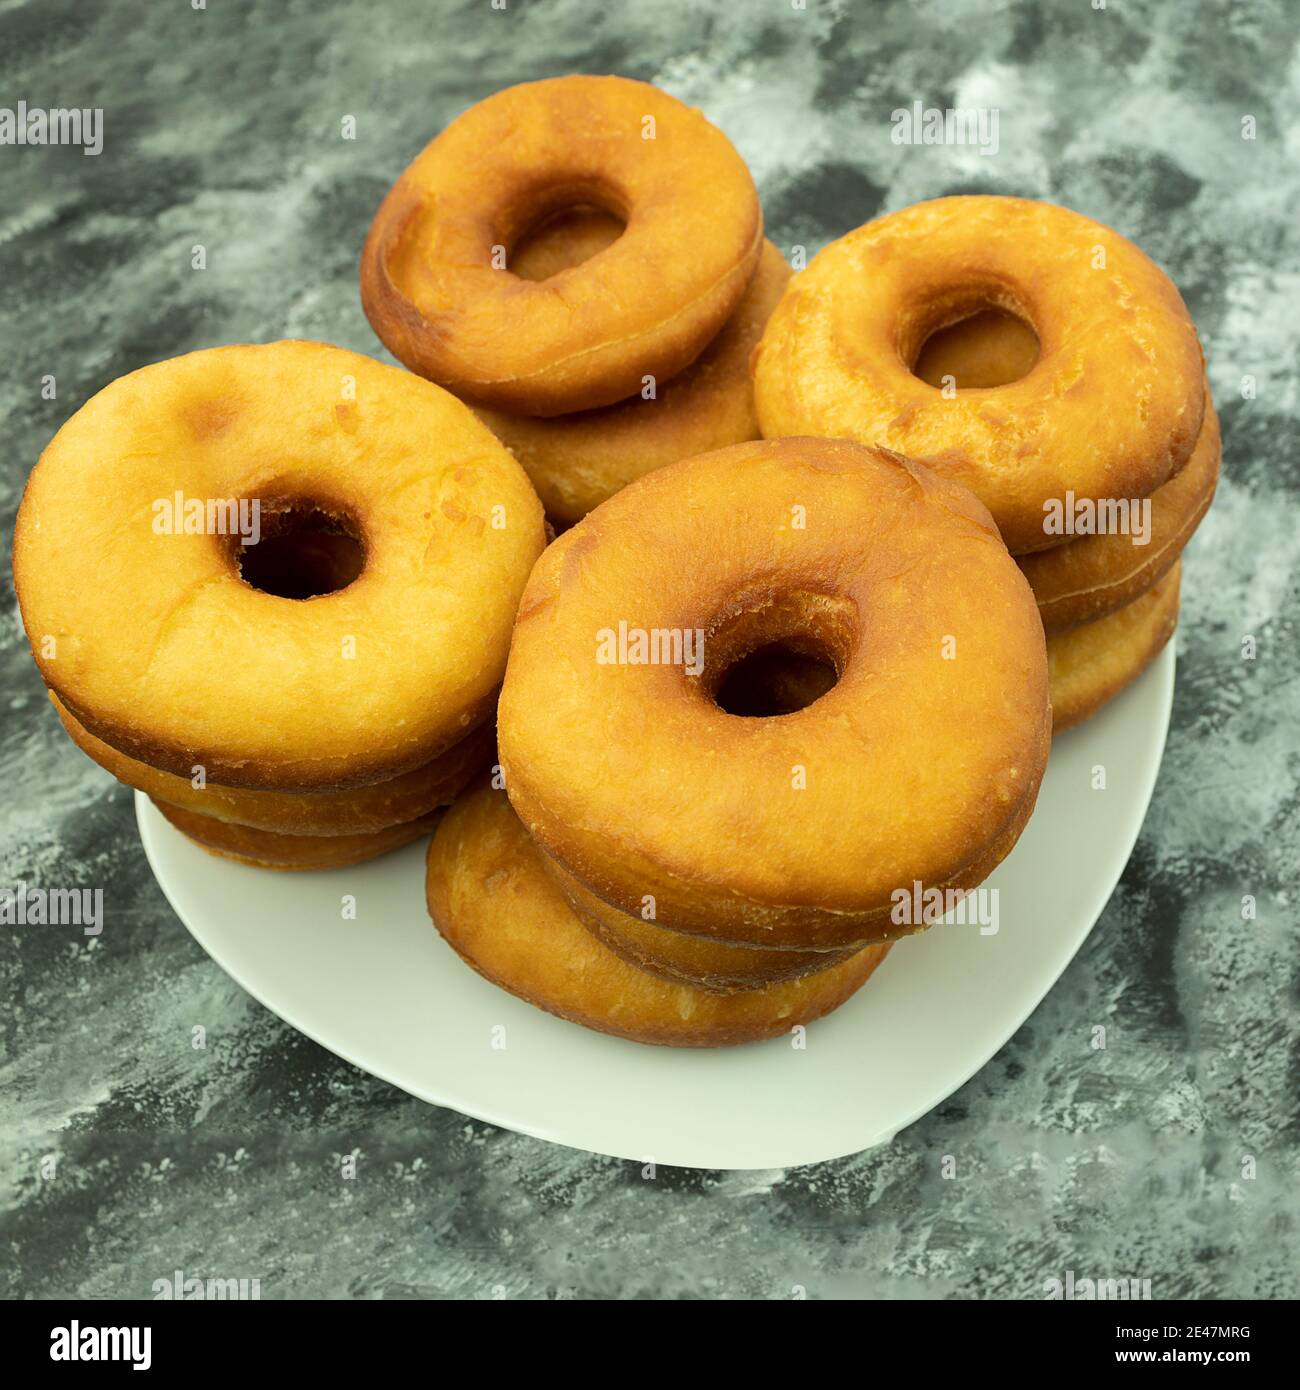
1045,362
289,734
674,871
784,689
581,259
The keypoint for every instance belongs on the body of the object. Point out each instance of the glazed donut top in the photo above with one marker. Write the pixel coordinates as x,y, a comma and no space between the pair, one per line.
1111,408
433,281
157,645
627,770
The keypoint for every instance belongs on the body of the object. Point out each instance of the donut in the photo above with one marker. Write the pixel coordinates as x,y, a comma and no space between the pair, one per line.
435,278
791,831
161,646
359,811
1097,575
497,908
263,849
1084,579
1111,407
576,461
1090,664
714,966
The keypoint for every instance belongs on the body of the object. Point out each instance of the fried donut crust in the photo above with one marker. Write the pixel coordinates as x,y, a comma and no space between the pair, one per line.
158,647
577,461
360,811
1111,408
718,967
498,909
673,950
264,850
647,305
790,831
1094,576
1092,663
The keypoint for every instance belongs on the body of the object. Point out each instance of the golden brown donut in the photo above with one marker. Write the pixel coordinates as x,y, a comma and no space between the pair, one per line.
435,277
1096,575
708,962
714,966
790,831
498,909
265,850
1092,663
1111,407
576,461
1084,579
157,645
359,811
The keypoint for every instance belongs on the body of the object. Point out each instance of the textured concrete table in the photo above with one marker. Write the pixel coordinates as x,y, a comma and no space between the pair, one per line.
128,1155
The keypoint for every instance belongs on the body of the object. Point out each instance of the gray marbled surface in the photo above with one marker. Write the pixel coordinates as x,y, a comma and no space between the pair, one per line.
222,127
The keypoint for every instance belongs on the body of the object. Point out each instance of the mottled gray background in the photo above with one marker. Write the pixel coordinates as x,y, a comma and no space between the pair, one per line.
223,127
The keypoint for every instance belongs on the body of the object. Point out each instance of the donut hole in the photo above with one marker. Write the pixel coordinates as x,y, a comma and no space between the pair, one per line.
304,552
976,340
777,654
561,238
774,679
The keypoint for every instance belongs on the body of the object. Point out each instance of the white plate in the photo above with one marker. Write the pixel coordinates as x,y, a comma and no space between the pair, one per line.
386,993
